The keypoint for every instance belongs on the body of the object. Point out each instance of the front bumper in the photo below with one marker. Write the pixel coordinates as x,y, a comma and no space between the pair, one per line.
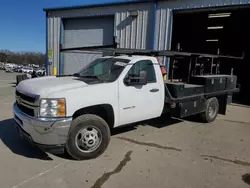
48,134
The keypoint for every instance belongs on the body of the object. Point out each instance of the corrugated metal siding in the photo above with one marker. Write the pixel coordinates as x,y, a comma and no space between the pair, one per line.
130,32
134,32
163,30
53,41
190,4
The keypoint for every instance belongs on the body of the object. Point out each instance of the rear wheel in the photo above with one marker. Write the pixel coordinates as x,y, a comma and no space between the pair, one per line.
211,110
88,138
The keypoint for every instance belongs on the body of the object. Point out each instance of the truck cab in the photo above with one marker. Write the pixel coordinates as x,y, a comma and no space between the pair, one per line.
112,90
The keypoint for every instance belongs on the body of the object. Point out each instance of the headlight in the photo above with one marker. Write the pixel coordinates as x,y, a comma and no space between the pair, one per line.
52,108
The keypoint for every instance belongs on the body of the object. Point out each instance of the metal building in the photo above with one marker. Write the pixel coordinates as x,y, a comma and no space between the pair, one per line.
130,24
145,24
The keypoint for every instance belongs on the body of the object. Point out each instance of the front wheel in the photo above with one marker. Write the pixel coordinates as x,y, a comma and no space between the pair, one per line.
88,138
17,79
211,110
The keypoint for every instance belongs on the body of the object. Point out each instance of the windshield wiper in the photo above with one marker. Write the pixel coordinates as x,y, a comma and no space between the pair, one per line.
65,75
89,76
76,74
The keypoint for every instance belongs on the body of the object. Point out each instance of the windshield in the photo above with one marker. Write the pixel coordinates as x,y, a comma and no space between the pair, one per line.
103,69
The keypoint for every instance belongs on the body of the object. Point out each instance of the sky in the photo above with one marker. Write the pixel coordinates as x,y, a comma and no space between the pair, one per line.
23,22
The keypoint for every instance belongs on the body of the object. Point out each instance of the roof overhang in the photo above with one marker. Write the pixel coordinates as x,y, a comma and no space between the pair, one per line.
99,5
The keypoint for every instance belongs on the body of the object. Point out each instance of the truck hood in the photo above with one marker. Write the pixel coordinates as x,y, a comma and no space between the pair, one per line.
44,86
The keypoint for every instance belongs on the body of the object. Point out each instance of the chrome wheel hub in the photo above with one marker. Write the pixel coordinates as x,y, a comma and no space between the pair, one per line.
212,110
88,139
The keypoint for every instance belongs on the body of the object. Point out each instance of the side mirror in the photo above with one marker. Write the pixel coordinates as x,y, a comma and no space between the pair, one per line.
143,78
133,80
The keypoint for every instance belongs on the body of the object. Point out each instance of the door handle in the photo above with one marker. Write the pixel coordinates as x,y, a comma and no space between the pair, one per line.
154,90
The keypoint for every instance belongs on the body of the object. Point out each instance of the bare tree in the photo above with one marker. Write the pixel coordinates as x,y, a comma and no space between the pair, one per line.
3,57
22,57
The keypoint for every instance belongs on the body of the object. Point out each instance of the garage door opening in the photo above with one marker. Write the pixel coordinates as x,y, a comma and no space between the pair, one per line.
211,31
83,32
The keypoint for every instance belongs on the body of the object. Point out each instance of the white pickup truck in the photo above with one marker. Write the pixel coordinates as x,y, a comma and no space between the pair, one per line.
76,112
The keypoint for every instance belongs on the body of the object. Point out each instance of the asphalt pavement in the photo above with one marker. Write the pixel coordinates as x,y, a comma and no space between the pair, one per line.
159,153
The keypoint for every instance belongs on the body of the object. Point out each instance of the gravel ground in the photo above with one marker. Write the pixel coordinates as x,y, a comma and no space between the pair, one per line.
160,153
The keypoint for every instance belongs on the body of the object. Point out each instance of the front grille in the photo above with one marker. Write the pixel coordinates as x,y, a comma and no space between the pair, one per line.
26,110
26,97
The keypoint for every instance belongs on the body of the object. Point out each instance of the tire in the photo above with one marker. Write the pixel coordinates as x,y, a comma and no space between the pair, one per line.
212,108
85,129
21,78
17,79
25,77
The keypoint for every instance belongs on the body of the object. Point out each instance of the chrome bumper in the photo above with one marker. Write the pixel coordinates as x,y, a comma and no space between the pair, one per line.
44,132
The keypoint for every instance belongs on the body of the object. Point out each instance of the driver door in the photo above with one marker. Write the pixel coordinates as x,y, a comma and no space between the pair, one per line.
139,102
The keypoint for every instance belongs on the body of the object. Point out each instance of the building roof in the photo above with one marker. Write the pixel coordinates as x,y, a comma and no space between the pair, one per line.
98,5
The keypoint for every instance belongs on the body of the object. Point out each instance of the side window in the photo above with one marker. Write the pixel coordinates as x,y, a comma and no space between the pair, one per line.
143,65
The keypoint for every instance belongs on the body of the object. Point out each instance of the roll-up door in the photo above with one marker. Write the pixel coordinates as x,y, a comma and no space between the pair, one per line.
82,32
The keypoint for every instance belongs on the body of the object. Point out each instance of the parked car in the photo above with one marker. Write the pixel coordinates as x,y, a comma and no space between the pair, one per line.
20,69
9,69
27,70
27,76
17,68
40,72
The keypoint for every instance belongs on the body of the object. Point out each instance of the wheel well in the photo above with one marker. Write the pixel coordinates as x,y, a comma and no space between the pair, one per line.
222,99
105,111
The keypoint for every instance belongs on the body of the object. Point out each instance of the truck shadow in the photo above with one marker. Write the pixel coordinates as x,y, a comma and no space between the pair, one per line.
9,136
161,122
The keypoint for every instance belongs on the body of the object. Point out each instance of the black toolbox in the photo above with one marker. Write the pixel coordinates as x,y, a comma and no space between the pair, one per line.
192,107
180,90
191,89
175,89
211,83
189,108
231,81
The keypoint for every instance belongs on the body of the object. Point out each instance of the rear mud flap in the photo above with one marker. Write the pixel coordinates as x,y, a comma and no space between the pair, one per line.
223,101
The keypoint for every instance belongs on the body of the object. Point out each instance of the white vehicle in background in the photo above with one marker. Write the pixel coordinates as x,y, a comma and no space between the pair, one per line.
9,69
40,72
36,66
8,66
27,70
1,66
